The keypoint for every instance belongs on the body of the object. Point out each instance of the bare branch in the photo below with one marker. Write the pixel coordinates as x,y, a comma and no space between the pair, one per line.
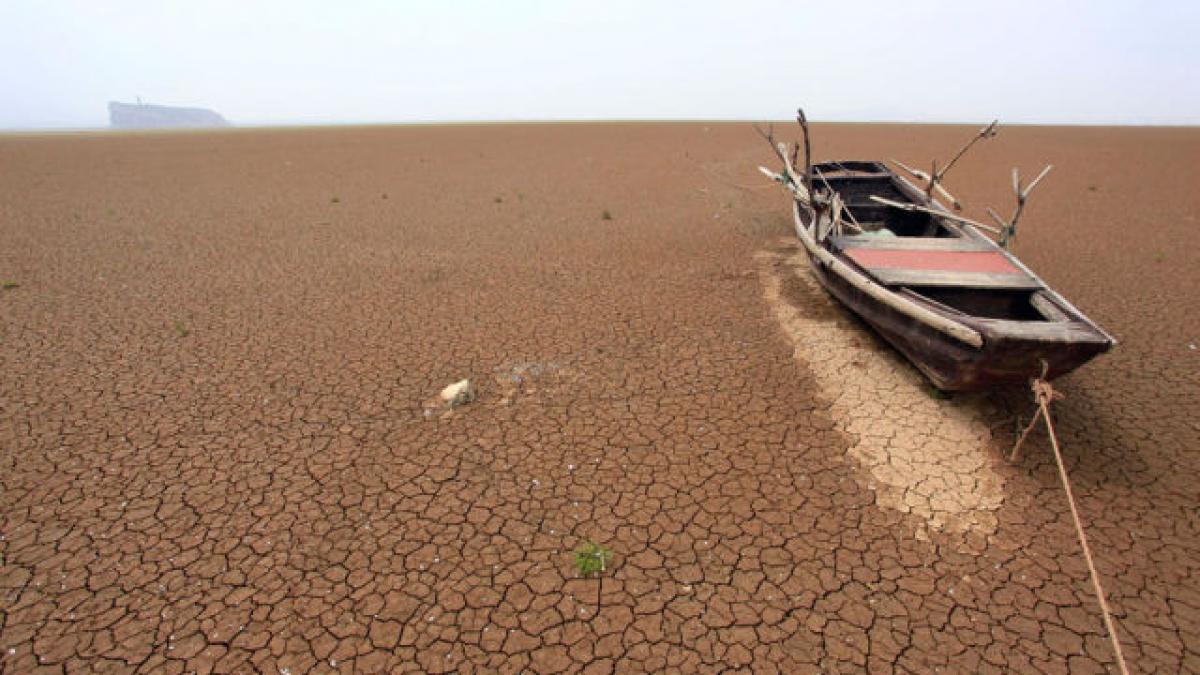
853,221
986,132
932,185
936,212
949,197
934,179
802,120
995,216
836,205
780,150
1040,176
797,190
769,136
770,174
916,173
1008,229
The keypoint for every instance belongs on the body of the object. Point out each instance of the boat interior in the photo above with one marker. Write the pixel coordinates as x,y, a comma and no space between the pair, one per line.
993,303
857,182
928,258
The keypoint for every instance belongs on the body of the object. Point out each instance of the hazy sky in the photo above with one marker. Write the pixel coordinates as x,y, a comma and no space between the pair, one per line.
296,61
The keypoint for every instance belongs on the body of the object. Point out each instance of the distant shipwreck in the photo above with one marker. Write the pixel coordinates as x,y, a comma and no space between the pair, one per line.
145,116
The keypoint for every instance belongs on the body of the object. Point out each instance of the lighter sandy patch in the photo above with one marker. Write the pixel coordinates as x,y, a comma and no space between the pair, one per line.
919,454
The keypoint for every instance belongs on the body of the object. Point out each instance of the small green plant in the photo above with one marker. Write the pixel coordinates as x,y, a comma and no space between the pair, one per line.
335,200
499,200
592,559
180,329
1160,255
110,212
9,285
605,215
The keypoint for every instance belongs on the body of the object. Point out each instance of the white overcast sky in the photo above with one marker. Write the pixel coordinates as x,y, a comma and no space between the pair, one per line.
308,62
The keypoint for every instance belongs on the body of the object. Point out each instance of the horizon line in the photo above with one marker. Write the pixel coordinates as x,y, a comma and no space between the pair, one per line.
266,125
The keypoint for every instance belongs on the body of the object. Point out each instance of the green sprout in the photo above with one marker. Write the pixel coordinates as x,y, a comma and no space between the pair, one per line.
592,559
9,285
605,215
181,329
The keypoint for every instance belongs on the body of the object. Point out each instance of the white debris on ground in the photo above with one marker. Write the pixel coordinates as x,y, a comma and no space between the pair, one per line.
459,393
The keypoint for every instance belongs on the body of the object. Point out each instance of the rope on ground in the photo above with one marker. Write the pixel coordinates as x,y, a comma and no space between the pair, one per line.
1044,394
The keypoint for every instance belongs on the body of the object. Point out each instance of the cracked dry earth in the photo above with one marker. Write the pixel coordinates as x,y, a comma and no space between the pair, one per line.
215,454
920,454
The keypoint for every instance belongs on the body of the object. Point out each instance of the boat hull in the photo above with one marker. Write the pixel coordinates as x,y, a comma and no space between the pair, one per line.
1006,357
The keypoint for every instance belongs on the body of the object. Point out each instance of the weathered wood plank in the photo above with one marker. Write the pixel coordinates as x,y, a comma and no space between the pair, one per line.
942,261
913,243
1042,303
913,295
1071,332
906,277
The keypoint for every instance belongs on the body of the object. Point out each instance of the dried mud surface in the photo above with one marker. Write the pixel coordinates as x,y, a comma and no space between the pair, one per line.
216,351
922,453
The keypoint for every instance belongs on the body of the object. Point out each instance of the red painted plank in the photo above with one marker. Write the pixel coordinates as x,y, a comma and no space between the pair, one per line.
992,262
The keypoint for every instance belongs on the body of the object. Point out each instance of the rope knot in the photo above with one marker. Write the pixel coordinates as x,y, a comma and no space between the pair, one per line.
1043,393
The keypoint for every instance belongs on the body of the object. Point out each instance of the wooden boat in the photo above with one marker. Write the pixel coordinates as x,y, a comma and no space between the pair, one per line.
963,309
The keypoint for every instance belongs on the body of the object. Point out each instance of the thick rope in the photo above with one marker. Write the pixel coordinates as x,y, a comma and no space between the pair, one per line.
1044,394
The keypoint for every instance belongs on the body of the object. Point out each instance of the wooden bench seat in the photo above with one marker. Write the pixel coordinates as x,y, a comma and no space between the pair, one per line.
919,261
913,243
